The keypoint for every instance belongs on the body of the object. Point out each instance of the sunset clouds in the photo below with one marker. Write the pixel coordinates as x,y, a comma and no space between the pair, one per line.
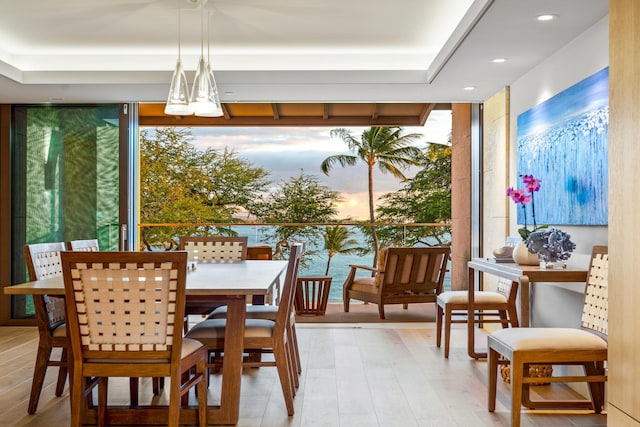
286,151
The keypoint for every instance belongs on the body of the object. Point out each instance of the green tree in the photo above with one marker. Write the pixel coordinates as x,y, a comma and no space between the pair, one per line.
297,201
338,240
426,198
181,184
384,146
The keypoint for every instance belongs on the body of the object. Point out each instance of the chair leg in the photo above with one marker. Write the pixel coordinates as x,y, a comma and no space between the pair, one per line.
39,371
493,379
296,350
62,373
405,306
201,391
345,301
448,313
381,310
133,391
439,314
174,401
517,373
103,386
504,319
596,389
280,356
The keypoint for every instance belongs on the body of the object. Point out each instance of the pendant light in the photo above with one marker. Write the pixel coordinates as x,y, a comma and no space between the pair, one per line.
178,100
214,108
204,93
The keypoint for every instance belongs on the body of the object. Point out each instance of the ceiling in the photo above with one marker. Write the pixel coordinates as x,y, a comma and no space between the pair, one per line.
281,51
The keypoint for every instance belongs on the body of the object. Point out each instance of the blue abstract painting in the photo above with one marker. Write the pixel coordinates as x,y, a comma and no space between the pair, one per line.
563,142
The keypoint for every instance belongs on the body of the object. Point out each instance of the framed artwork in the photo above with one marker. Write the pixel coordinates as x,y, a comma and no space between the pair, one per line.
563,142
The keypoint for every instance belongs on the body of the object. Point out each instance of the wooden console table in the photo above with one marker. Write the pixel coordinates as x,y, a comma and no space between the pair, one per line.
523,275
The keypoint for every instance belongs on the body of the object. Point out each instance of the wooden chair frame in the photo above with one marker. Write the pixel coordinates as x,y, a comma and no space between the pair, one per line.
407,275
586,346
489,309
124,311
211,333
43,261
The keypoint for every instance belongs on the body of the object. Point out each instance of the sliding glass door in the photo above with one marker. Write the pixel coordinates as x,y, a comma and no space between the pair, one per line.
65,180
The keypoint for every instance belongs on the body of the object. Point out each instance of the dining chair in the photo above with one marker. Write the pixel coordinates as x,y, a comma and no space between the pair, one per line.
92,245
263,335
490,307
124,310
587,347
260,252
270,312
87,245
43,261
401,276
214,248
210,249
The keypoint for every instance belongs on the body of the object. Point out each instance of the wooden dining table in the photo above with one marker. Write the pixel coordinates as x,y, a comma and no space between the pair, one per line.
228,282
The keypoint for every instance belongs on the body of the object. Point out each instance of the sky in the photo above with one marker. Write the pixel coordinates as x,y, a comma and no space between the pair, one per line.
286,151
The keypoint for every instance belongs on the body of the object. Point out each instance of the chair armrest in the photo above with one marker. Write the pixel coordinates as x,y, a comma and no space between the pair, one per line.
365,267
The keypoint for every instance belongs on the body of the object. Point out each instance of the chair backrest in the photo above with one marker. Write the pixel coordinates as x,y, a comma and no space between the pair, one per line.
89,245
260,252
596,302
285,307
125,305
417,270
214,248
43,262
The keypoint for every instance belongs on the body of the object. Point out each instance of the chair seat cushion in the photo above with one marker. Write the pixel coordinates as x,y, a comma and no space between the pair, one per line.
462,297
60,331
214,329
253,312
365,284
568,339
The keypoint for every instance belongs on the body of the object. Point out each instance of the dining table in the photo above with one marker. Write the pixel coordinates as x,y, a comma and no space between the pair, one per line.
230,283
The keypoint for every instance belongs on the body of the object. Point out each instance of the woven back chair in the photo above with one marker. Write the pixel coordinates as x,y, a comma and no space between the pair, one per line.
43,262
402,276
491,307
586,346
264,335
89,245
211,249
125,313
214,248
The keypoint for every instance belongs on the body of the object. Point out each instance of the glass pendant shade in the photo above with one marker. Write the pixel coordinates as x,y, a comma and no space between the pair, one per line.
178,100
200,93
214,109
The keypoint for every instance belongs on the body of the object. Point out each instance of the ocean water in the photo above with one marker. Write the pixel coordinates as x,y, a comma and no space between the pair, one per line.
315,265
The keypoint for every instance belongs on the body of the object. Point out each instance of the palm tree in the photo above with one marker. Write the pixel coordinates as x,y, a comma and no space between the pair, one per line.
337,240
383,145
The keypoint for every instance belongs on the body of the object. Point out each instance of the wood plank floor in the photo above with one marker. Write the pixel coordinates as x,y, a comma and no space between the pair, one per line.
354,375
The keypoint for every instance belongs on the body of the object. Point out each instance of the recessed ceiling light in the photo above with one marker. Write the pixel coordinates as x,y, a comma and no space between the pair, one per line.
546,17
469,88
499,60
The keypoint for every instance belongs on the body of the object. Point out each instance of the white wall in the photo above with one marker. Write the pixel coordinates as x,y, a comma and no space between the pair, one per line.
560,304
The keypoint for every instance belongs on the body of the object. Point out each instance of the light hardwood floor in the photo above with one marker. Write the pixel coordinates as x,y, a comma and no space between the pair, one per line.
354,375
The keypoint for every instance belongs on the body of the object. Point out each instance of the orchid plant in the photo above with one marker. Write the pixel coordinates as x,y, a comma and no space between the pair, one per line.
523,197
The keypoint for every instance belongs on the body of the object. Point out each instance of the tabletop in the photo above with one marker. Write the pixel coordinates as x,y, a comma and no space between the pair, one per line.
248,277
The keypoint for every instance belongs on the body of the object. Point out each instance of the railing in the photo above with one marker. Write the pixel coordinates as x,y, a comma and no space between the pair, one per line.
316,257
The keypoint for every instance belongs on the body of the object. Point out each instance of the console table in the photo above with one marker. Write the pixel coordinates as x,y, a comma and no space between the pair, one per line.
523,275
